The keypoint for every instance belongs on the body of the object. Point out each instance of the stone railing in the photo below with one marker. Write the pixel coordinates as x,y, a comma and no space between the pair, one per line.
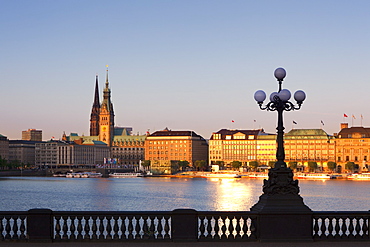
178,225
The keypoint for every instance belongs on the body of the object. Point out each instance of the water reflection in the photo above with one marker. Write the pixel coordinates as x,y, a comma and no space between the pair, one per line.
231,194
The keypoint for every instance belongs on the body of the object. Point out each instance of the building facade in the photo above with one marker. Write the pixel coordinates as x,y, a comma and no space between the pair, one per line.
32,135
241,145
22,152
4,147
168,145
305,145
353,145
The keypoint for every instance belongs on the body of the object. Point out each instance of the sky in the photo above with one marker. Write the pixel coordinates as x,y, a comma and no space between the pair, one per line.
185,65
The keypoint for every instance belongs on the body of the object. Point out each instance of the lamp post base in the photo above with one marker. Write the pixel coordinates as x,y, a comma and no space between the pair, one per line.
283,216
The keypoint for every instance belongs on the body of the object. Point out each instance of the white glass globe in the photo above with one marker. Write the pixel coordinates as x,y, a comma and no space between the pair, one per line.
280,74
284,95
272,96
259,96
299,96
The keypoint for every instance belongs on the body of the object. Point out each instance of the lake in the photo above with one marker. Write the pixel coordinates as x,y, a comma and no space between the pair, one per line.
164,194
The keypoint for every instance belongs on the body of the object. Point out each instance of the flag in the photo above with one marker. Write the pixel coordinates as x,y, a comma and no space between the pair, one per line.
362,117
345,115
254,120
322,122
353,116
232,121
294,122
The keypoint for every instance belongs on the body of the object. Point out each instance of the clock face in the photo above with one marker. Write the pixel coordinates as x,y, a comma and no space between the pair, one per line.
104,128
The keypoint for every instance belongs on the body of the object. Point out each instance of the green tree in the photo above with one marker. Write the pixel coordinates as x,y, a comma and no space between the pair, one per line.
236,164
183,164
312,166
146,163
350,166
332,165
201,164
293,165
3,163
271,163
254,164
220,163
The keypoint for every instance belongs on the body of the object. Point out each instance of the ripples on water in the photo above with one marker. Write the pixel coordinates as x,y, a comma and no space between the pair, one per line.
163,194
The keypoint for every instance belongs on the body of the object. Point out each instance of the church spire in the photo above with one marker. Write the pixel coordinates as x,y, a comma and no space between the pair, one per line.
94,117
106,79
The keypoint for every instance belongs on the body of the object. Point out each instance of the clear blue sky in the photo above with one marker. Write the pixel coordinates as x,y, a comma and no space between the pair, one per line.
181,64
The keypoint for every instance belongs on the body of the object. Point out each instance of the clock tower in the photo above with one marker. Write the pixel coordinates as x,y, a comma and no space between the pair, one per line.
106,116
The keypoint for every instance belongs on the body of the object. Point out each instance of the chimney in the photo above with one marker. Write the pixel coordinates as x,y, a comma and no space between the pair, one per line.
344,126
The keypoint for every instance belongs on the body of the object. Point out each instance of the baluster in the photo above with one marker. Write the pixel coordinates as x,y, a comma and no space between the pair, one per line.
201,227
337,227
224,227
15,228
137,227
94,227
130,227
167,231
57,233
22,227
115,227
72,228
209,227
64,228
124,228
160,228
244,228
217,228
8,227
101,227
79,228
237,222
87,228
1,229
152,228
109,228
330,228
145,229
358,227
365,228
345,228
351,227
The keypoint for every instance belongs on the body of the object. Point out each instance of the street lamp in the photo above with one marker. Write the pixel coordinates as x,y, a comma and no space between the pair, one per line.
280,183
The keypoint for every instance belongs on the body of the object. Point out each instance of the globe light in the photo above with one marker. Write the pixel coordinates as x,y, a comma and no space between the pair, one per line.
280,74
299,96
284,95
259,96
272,96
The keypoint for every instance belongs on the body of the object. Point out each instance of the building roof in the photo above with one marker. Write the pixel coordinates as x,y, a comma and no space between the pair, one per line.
231,132
307,134
168,132
354,132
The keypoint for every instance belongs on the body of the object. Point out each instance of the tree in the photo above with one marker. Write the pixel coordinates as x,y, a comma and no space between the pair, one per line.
3,163
350,166
253,164
145,163
271,164
183,164
200,164
293,165
236,164
312,166
220,163
332,165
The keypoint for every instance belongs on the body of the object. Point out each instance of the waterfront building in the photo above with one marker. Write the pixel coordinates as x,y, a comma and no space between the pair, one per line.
305,145
125,149
241,145
353,145
4,147
32,135
168,145
22,152
46,153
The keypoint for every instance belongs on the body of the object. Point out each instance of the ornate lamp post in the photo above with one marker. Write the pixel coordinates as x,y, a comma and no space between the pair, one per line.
280,191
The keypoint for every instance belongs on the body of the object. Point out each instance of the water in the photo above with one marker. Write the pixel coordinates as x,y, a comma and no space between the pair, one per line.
164,194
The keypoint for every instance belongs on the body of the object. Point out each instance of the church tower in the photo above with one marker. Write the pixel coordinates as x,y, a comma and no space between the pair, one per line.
106,116
94,117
